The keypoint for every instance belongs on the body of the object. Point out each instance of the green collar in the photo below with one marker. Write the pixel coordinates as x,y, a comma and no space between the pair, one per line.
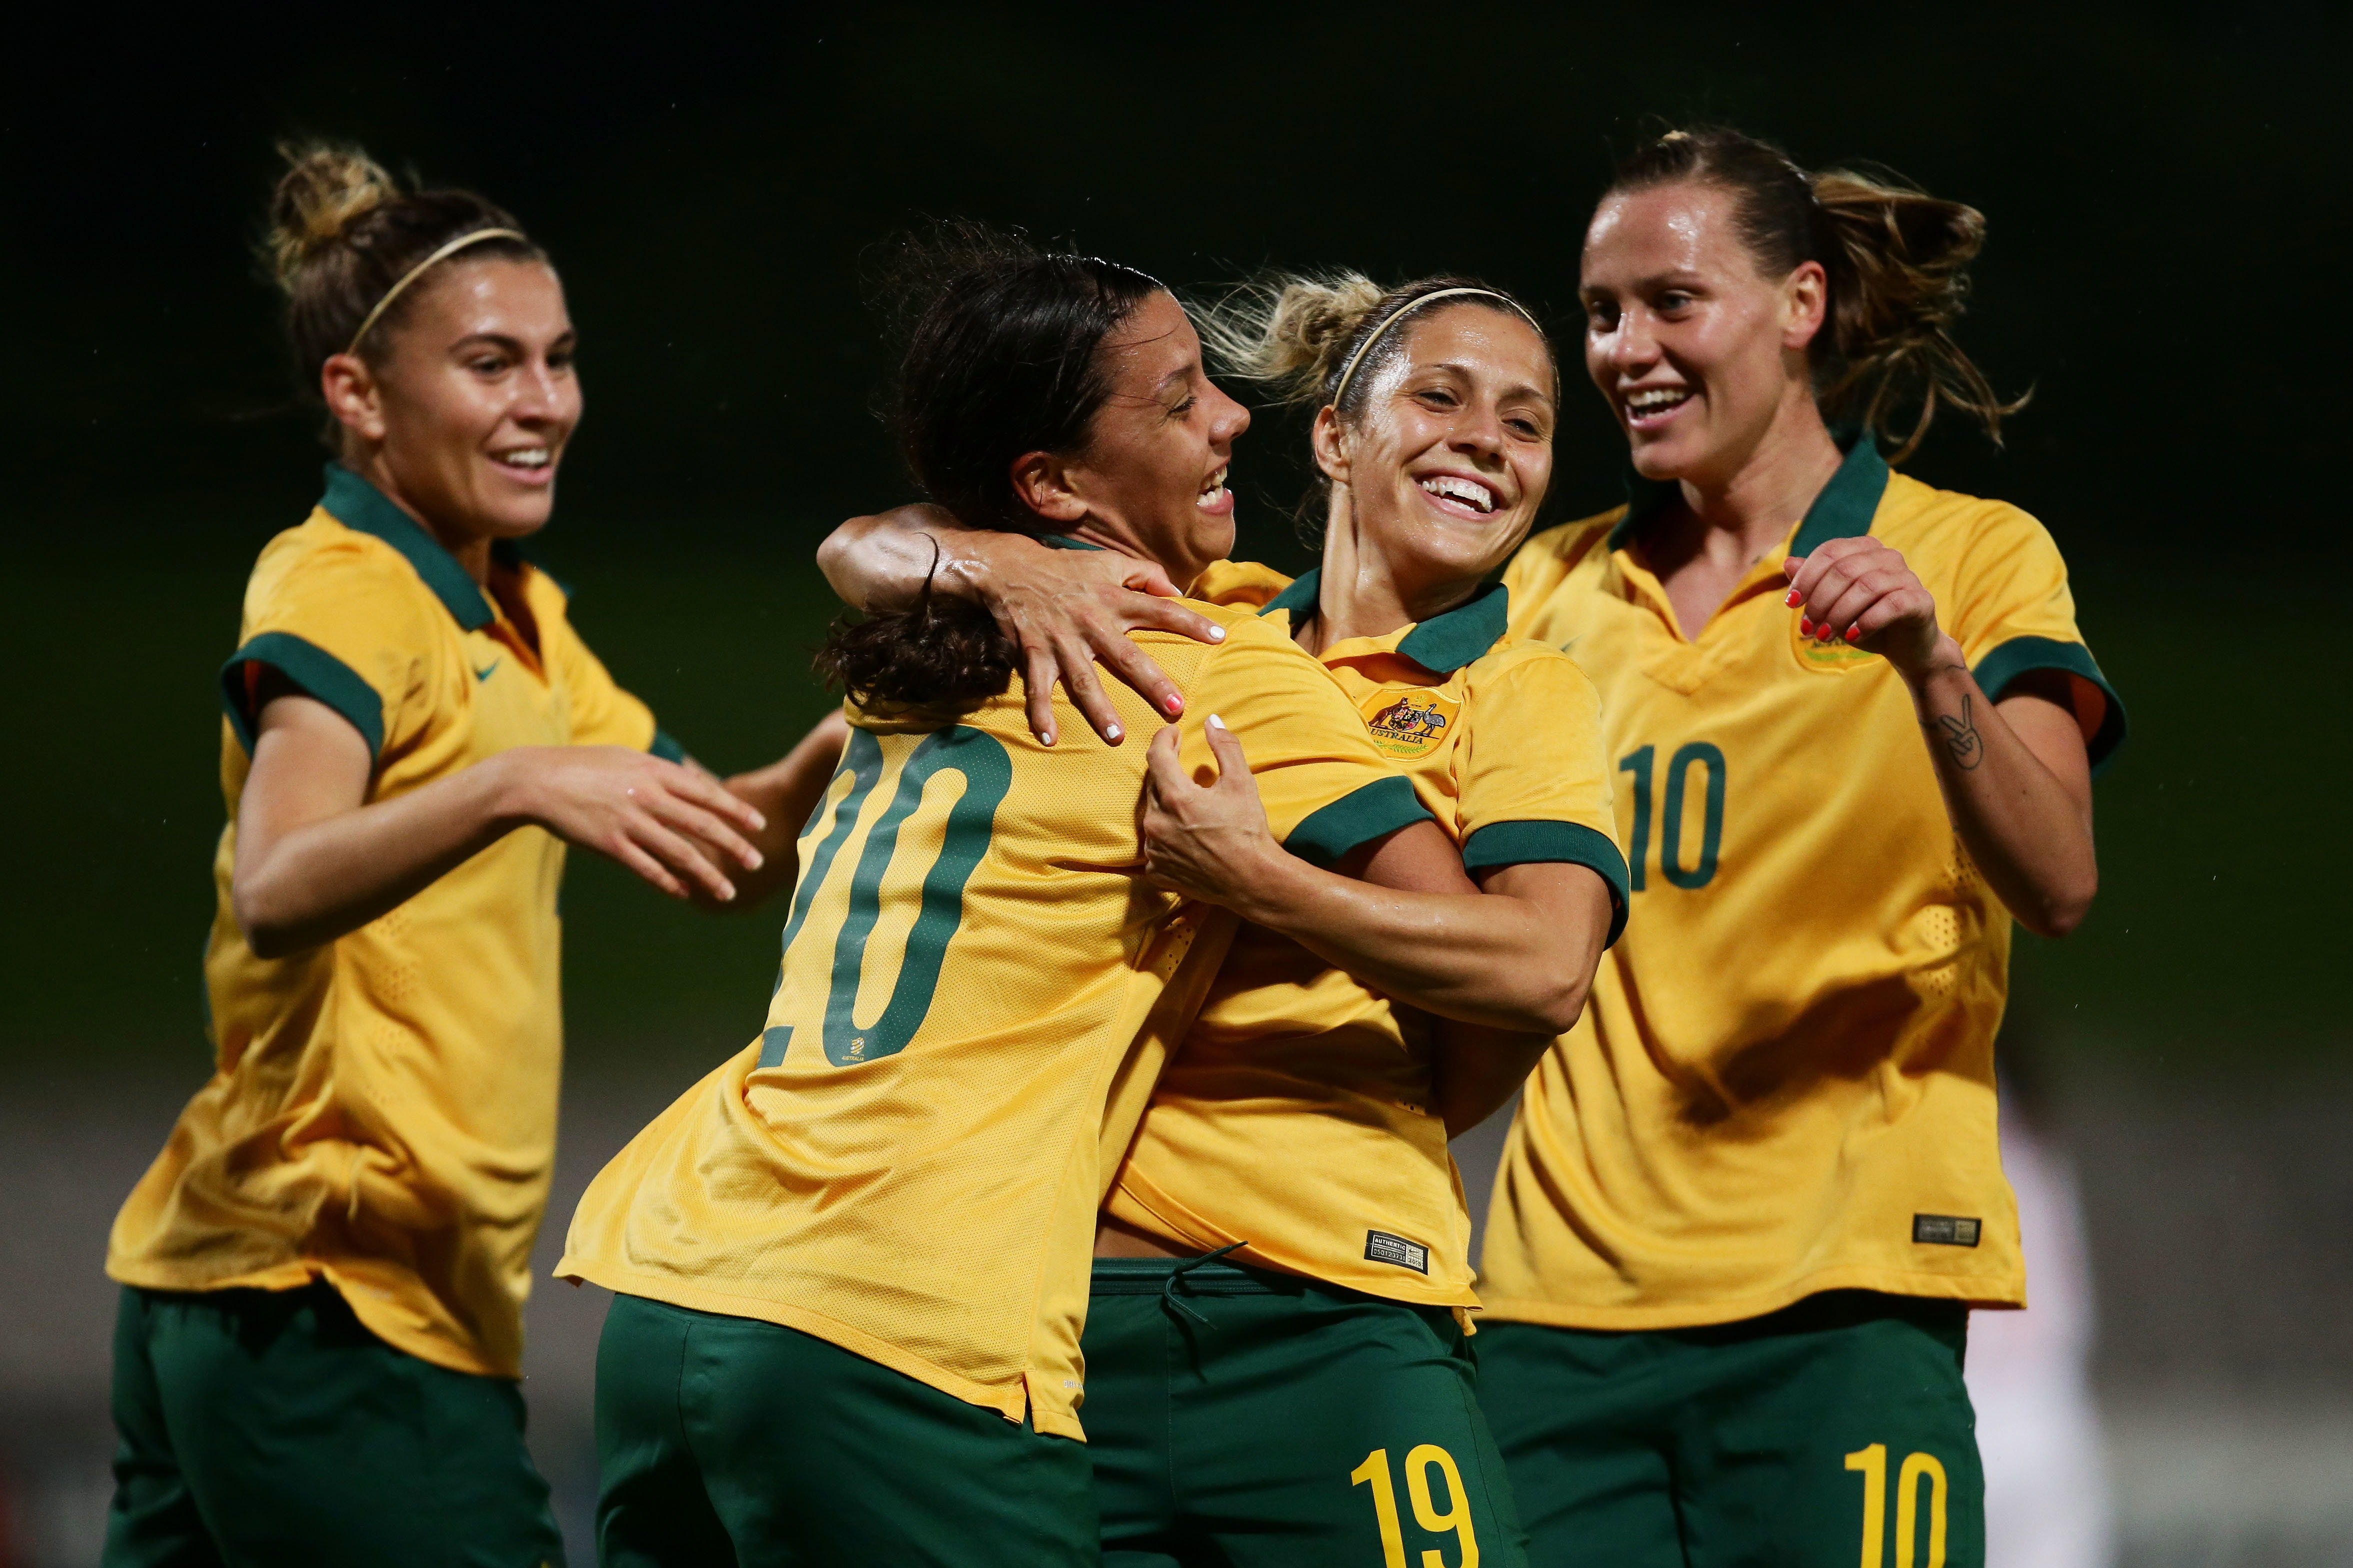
1441,645
1843,510
359,505
1064,541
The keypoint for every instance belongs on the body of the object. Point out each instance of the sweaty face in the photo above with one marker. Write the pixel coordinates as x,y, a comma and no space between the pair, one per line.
1153,473
1448,461
478,395
1695,350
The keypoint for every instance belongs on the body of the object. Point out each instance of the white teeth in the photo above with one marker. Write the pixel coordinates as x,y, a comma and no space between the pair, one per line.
1651,400
1460,489
527,458
1214,491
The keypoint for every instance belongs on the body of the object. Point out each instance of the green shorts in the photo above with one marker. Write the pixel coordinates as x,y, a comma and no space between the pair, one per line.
732,1441
268,1426
1239,1416
1834,1431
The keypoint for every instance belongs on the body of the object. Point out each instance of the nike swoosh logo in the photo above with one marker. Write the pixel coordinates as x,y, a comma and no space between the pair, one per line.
485,674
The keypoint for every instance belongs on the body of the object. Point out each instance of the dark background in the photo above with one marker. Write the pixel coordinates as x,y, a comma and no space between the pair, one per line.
2168,232
2168,217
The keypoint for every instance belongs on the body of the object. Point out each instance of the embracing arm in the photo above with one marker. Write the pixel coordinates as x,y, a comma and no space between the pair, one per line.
315,859
1067,610
2016,774
1519,956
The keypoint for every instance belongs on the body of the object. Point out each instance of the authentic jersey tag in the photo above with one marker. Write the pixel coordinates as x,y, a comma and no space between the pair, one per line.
1380,1246
1826,651
1944,1230
1408,723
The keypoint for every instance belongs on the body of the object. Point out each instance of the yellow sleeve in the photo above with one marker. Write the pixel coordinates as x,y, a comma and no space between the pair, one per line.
603,713
1325,789
1239,584
2009,607
1534,771
348,628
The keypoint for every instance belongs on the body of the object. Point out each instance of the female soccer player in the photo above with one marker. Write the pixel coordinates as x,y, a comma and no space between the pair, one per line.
1302,1127
853,1261
1315,1405
321,1321
1749,1201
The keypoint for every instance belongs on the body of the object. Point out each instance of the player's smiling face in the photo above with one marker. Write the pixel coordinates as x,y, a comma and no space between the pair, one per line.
1695,350
1152,476
477,395
1445,468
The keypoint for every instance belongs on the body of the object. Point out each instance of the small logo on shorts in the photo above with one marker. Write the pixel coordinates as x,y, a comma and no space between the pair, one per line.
1408,723
1944,1230
1380,1246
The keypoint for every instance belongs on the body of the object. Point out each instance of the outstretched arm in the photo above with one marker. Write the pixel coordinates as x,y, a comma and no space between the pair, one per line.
315,859
2016,776
1068,610
1517,957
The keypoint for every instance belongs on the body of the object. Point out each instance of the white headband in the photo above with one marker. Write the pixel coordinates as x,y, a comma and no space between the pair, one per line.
1414,304
417,271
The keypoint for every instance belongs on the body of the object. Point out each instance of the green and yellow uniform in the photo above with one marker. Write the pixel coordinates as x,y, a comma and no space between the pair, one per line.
906,1165
1294,1132
1783,1084
382,1113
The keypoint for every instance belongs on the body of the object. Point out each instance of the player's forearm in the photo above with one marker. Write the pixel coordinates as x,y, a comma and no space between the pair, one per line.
1479,958
2027,831
881,562
311,883
1479,1069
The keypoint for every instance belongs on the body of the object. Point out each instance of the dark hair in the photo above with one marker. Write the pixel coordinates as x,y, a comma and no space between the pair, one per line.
1896,258
342,233
1296,334
1002,356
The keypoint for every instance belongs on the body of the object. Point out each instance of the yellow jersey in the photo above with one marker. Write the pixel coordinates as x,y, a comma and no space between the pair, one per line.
382,1109
906,1163
1784,1080
1296,1117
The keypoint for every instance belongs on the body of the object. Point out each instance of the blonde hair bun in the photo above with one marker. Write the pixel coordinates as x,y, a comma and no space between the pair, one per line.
1287,332
325,190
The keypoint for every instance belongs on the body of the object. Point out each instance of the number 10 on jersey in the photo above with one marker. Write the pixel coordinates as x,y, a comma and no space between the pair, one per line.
1701,869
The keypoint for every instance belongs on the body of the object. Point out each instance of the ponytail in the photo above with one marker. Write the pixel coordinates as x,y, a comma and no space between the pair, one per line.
1897,261
1901,283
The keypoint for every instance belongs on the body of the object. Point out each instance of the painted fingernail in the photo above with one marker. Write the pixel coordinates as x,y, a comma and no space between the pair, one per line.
1113,731
1795,599
1805,627
1217,633
1216,722
1175,706
1854,632
1046,738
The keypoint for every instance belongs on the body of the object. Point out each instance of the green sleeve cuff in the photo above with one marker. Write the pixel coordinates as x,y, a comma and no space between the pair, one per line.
665,746
1573,843
314,672
1358,817
1997,670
